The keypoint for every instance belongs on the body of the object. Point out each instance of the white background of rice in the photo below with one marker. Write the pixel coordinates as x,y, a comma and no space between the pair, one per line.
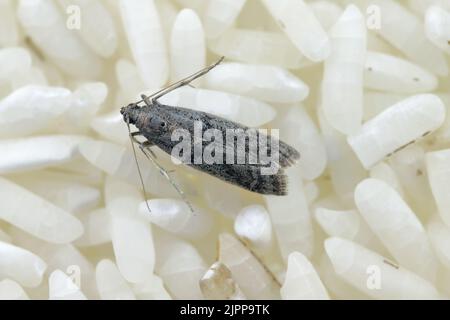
72,221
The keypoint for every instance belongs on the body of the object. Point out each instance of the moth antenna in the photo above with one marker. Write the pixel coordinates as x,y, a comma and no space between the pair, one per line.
137,165
183,82
167,176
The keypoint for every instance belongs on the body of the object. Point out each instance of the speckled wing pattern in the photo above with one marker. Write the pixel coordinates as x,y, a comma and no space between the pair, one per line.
247,176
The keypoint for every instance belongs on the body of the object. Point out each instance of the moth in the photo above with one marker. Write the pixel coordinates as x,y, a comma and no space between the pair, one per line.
157,122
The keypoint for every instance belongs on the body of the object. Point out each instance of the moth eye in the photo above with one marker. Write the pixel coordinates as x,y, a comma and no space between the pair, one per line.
163,124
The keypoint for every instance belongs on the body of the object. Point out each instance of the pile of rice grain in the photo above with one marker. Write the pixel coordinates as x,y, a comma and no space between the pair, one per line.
360,89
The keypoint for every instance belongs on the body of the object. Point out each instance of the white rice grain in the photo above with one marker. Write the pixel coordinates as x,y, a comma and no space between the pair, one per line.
403,30
110,283
131,236
253,225
437,27
220,15
31,109
382,136
396,225
187,46
13,60
302,282
439,235
388,73
176,217
180,266
300,131
10,33
46,26
353,262
41,152
348,224
97,225
263,82
258,47
11,290
301,26
291,218
21,265
47,222
250,275
438,163
61,287
98,30
146,39
384,172
342,85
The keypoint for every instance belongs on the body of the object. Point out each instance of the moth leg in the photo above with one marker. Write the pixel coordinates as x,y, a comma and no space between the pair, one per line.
164,173
133,137
181,83
146,145
145,100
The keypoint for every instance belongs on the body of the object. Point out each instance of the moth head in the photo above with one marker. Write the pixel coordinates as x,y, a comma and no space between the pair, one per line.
130,113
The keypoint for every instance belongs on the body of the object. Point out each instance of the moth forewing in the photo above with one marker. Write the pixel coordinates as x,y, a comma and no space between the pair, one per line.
246,157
